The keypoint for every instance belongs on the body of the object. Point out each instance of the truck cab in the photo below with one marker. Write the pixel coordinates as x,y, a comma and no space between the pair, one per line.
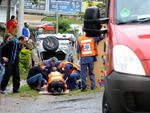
127,77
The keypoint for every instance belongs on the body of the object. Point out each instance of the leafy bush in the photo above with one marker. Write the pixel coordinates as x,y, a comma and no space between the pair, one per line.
64,25
24,60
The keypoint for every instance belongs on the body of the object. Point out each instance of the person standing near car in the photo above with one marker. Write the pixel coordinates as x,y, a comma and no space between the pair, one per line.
31,45
6,38
10,54
25,30
88,51
71,73
11,26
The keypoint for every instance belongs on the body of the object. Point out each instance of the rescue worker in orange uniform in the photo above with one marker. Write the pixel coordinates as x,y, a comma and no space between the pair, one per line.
56,84
88,51
71,73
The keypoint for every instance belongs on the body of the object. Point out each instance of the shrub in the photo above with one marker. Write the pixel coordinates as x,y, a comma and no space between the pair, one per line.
64,25
25,57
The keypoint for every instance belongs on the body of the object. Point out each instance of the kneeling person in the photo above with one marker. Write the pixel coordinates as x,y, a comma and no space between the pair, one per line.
71,73
56,84
36,76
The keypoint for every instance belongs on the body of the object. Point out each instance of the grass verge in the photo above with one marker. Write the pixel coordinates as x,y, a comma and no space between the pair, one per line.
79,93
22,77
72,20
25,91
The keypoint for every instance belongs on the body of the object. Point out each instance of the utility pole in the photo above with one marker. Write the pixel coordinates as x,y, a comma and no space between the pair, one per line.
57,16
20,17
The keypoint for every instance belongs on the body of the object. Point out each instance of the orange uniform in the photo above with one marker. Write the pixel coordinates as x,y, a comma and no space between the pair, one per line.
88,46
56,76
74,69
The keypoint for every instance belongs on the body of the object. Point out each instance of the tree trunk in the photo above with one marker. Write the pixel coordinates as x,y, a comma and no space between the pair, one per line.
20,17
8,10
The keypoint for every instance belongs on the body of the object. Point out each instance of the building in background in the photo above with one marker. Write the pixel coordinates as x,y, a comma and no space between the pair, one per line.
3,10
28,4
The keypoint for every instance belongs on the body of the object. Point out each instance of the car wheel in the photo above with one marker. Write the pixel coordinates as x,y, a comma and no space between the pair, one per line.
105,105
50,43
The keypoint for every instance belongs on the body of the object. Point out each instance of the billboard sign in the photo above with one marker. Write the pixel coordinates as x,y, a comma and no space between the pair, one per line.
28,4
71,6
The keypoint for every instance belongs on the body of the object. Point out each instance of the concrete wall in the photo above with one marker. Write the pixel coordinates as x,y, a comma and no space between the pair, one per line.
3,13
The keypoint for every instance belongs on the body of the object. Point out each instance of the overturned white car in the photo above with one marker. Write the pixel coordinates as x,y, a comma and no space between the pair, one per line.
58,45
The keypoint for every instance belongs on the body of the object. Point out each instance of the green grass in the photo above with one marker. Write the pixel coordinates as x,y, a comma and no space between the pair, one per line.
49,19
79,93
72,20
25,91
22,77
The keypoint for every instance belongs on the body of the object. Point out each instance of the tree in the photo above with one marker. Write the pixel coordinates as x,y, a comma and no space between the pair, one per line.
0,2
64,25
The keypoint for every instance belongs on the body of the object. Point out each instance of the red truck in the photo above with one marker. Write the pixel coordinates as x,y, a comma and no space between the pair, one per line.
127,78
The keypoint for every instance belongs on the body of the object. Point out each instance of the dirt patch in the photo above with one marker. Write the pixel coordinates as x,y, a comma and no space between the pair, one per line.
98,65
33,19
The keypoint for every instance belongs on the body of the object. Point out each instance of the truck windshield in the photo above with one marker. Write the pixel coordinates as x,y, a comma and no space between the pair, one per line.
132,11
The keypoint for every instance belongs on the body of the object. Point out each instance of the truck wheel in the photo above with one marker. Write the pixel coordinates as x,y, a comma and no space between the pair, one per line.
50,43
105,105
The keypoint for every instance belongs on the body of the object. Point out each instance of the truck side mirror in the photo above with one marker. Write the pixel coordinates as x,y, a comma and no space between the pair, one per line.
92,22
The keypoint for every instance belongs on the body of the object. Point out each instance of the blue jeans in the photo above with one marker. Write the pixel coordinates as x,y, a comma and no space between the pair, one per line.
35,79
72,80
90,67
2,71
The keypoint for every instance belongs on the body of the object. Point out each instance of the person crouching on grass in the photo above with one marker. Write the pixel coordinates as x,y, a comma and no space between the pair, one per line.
36,77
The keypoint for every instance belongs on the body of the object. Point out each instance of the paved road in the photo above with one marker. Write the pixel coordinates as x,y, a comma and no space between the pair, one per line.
49,104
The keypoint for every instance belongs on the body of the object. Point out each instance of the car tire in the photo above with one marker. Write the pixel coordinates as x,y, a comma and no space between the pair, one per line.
50,43
105,105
